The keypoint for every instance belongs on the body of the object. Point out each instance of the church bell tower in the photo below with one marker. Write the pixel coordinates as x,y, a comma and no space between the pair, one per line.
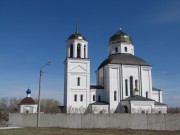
77,74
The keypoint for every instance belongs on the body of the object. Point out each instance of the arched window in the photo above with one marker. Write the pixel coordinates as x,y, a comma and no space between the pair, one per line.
71,51
136,83
116,49
78,81
94,98
115,96
78,51
146,94
81,98
75,97
131,85
126,87
125,49
84,51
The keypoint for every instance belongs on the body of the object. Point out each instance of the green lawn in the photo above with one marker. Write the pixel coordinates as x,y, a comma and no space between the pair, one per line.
65,131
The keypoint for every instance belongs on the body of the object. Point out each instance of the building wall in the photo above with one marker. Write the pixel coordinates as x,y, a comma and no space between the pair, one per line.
142,107
28,108
146,81
99,109
93,92
128,71
114,84
114,77
100,77
120,121
77,68
121,48
97,93
156,96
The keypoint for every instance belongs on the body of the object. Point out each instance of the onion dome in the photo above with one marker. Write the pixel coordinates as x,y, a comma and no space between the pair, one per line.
76,35
120,37
27,101
28,91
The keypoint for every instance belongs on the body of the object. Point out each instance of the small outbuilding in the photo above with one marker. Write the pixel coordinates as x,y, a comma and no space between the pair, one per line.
28,104
139,104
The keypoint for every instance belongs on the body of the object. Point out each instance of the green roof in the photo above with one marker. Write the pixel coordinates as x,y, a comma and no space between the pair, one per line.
120,37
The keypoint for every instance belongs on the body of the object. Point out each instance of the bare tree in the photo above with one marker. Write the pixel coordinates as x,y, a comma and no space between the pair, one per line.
173,110
13,104
50,106
4,109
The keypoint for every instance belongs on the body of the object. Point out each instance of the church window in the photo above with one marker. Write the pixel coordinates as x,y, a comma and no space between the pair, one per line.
136,83
116,49
78,50
75,97
71,50
115,95
126,87
131,85
78,81
81,98
84,51
94,98
125,49
146,94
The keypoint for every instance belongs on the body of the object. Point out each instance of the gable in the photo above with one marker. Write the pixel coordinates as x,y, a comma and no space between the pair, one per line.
79,69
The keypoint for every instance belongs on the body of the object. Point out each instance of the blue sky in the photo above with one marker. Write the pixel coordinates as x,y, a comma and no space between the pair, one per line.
34,32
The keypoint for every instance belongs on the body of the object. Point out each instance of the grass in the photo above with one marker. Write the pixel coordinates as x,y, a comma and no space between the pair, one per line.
66,131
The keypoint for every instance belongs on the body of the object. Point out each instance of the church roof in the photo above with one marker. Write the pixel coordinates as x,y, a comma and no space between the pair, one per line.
123,58
27,101
158,103
96,87
155,89
137,98
77,36
100,103
120,37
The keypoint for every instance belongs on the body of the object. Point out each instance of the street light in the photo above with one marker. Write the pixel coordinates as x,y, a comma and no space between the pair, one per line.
39,95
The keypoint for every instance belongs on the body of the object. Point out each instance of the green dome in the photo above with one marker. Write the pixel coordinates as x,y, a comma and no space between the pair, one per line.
120,37
77,36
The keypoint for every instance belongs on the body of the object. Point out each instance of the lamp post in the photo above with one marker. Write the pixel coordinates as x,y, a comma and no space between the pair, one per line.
39,94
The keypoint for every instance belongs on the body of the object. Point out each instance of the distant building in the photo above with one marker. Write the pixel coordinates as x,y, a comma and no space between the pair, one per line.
124,81
28,105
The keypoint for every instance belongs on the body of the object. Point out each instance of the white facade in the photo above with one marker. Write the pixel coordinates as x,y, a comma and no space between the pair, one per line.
118,77
31,108
77,75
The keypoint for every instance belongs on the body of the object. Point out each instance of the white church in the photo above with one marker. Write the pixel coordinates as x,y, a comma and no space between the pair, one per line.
28,104
124,81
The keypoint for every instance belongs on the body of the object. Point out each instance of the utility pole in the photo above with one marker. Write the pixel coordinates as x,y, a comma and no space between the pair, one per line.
39,94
